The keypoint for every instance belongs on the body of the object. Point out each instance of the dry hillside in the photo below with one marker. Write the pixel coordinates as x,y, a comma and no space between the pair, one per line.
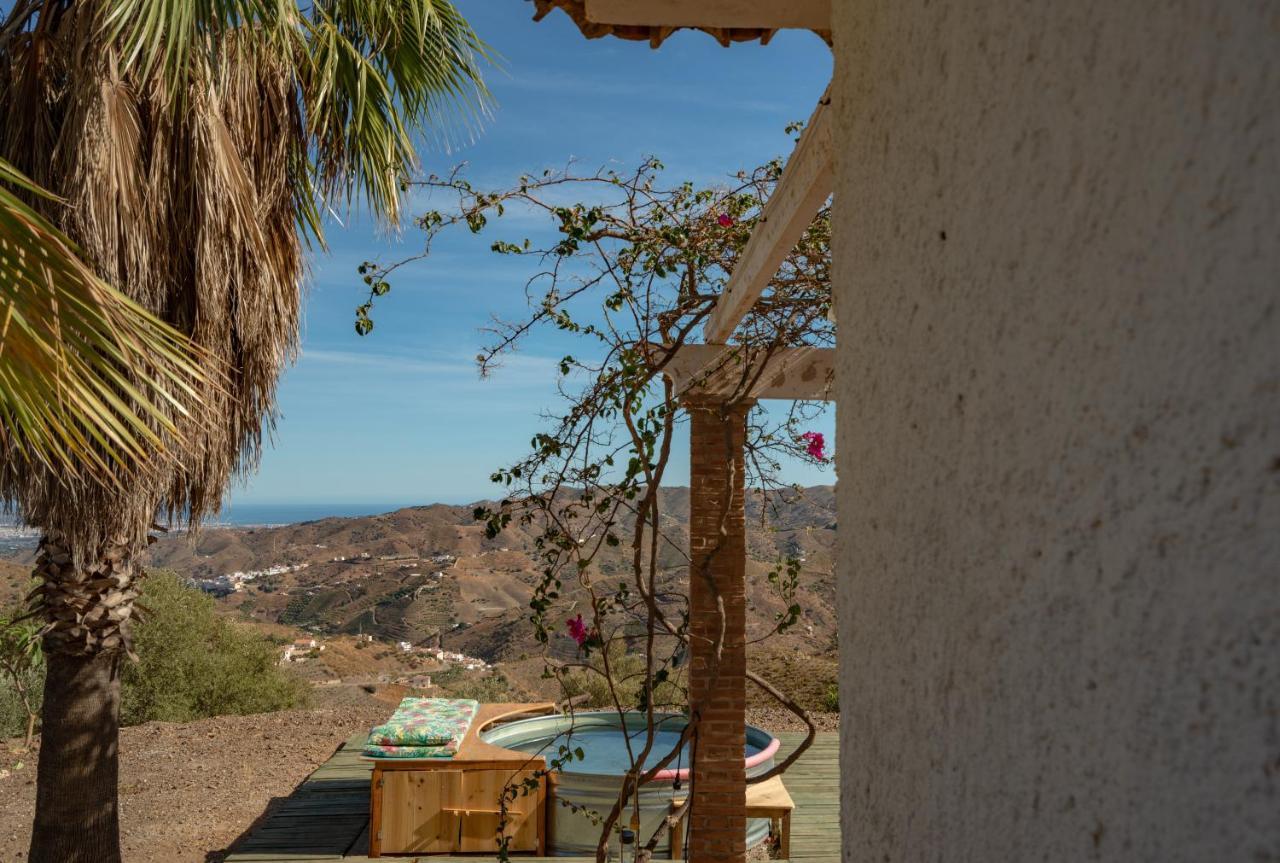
429,575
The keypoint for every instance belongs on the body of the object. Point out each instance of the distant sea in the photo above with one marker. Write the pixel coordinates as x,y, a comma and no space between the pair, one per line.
250,514
17,536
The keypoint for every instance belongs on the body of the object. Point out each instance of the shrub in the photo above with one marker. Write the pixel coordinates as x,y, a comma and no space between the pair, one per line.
21,676
628,671
13,714
192,663
831,700
490,688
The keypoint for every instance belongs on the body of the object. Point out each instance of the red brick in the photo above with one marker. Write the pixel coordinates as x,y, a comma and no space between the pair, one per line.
717,821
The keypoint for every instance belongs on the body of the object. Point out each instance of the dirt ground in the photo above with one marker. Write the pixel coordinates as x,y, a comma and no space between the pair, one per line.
777,719
187,791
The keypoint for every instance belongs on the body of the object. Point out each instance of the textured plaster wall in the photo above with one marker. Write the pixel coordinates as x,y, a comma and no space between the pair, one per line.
1058,289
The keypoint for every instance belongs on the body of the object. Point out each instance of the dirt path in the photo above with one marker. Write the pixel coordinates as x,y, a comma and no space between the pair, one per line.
187,791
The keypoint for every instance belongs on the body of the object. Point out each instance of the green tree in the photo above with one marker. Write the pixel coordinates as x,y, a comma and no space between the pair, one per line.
193,148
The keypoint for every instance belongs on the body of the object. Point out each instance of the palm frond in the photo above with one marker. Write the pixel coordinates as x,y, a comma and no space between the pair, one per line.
374,70
166,36
371,72
90,382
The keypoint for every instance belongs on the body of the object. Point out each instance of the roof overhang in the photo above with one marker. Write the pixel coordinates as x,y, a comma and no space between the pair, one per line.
727,21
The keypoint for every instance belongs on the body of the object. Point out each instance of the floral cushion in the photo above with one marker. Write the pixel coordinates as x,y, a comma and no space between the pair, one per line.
435,726
374,751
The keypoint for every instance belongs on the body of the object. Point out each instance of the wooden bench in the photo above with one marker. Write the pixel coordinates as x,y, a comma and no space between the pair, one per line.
768,799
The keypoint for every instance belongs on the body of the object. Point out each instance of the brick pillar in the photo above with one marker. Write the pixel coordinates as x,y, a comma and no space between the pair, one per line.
718,552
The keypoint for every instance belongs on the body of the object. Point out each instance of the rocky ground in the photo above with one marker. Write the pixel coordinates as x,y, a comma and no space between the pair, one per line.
187,791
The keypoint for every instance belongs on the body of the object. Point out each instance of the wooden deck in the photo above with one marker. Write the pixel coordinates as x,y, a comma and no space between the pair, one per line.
327,816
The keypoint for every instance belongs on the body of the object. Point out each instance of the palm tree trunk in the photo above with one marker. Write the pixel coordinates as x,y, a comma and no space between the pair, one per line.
87,613
77,820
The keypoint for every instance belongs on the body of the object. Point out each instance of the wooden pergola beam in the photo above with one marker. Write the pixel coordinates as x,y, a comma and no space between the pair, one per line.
720,371
729,14
805,185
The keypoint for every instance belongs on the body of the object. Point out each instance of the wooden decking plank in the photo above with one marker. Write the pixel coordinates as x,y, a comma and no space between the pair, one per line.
301,840
356,741
332,814
813,782
360,846
278,852
330,800
335,813
435,858
296,845
353,769
347,756
340,773
325,803
299,847
319,830
280,855
346,819
328,820
335,784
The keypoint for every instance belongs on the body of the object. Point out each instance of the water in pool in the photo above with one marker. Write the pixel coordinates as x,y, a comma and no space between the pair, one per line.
604,748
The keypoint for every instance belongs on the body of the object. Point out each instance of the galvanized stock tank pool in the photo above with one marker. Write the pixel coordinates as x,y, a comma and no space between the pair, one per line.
593,782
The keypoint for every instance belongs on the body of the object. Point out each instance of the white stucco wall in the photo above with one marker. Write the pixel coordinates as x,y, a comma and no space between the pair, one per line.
1058,289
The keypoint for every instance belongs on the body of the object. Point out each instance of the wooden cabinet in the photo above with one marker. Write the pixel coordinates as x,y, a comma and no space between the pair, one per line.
414,817
452,811
452,806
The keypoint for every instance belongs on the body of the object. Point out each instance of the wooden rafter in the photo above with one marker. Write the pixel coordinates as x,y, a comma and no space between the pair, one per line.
720,371
805,186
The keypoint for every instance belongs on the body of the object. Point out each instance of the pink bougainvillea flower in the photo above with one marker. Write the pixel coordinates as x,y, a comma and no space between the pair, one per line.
725,220
815,445
577,630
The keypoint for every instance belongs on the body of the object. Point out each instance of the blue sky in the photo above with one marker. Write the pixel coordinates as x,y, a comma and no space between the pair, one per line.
400,416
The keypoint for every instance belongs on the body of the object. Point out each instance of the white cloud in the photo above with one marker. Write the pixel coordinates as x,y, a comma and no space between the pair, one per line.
515,370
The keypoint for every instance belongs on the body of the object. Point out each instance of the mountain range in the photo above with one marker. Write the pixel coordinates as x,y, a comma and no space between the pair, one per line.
428,574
